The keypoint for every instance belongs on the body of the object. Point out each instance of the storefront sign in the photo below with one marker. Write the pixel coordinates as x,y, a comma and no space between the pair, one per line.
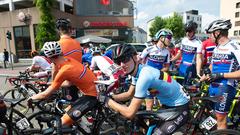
104,24
102,32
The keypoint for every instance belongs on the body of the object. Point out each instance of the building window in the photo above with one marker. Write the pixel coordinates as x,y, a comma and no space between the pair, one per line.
237,14
197,18
235,33
188,17
22,41
238,5
237,23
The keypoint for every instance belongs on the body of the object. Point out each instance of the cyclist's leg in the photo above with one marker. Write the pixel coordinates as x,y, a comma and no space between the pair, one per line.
80,107
169,127
228,93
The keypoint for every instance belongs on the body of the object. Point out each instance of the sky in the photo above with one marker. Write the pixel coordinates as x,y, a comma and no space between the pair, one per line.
148,9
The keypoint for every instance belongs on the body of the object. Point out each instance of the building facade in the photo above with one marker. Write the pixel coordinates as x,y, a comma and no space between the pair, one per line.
139,35
21,18
191,15
230,9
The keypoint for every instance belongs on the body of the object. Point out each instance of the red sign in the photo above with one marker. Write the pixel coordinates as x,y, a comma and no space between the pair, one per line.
106,24
105,2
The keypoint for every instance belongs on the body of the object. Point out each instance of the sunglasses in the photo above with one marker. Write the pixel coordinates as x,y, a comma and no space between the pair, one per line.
122,60
169,37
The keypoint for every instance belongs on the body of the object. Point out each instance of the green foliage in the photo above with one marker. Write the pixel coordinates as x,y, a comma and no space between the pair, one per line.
174,23
46,30
158,24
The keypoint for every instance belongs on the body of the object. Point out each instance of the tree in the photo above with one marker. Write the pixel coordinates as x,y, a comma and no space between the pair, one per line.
46,30
174,23
158,24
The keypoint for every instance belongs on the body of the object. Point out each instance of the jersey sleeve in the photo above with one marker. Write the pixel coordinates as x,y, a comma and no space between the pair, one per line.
34,61
143,84
93,63
236,52
144,53
59,79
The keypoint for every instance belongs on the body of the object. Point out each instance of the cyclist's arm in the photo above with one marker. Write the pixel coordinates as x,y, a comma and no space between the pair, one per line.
127,111
178,55
125,95
199,60
232,75
58,80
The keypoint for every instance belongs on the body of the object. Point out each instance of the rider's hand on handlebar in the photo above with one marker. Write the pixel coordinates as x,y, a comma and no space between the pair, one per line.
103,98
216,76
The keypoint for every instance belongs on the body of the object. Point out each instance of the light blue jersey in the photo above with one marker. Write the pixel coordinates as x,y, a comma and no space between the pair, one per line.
169,92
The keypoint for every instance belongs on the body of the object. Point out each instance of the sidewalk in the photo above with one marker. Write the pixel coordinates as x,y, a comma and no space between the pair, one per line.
17,67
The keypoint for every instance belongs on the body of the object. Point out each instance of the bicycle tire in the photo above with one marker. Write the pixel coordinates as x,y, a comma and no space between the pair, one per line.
225,132
13,93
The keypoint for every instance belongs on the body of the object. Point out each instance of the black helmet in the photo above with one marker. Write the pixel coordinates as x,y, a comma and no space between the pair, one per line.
190,26
63,23
122,51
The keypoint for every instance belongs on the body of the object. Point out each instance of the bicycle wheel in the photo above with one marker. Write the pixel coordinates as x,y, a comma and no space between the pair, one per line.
225,132
13,93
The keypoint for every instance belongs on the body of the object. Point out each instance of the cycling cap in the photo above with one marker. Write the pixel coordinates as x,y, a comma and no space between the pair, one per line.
63,23
52,49
123,50
163,32
219,25
190,26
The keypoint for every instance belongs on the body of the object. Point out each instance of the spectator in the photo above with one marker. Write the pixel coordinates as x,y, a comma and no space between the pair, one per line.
6,57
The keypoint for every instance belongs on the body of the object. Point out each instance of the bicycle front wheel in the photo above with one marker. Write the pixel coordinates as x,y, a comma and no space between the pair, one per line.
225,132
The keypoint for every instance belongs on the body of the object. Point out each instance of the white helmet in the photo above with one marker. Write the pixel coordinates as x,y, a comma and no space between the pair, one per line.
52,49
219,25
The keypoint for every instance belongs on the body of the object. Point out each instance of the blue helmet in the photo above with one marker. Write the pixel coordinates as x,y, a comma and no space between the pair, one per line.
163,32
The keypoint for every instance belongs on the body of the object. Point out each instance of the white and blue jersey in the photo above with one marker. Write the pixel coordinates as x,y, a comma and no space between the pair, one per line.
225,59
189,50
169,92
156,56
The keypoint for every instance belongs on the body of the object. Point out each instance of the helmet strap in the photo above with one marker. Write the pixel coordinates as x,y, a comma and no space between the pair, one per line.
134,66
216,37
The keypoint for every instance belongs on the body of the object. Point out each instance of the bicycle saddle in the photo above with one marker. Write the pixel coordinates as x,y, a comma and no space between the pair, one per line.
212,99
163,115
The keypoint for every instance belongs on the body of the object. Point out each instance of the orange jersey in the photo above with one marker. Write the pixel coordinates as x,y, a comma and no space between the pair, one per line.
80,76
71,48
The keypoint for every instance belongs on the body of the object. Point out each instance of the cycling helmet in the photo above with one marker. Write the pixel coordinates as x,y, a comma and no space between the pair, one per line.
52,49
190,26
162,32
219,25
122,51
102,47
63,23
95,51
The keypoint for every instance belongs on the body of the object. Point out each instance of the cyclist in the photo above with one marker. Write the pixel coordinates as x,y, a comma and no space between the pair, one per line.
70,47
75,73
190,51
41,64
107,67
225,68
157,56
103,49
207,50
170,93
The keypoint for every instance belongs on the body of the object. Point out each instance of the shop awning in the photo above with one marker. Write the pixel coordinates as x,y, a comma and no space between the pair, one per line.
93,39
